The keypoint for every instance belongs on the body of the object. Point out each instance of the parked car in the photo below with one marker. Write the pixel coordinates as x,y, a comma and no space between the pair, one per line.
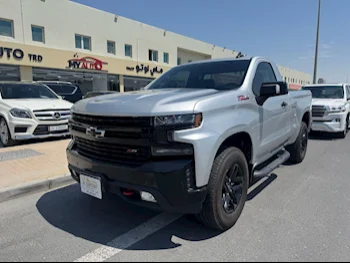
330,108
193,140
31,111
98,93
66,90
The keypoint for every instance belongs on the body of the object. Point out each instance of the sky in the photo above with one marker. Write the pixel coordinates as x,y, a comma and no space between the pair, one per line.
282,30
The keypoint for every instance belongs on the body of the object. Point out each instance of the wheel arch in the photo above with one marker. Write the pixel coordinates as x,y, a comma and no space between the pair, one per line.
241,140
307,118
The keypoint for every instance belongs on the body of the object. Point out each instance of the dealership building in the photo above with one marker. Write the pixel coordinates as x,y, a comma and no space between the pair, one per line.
66,41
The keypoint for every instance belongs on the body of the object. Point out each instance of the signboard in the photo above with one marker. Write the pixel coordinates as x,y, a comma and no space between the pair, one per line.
145,69
86,63
18,54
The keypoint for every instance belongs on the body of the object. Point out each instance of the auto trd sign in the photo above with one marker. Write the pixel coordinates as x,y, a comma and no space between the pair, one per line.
87,63
18,54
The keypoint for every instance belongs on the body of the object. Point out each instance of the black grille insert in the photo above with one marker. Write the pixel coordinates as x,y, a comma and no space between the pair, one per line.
103,121
318,111
113,153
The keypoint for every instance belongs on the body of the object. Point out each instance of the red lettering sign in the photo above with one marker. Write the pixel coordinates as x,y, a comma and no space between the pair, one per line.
86,63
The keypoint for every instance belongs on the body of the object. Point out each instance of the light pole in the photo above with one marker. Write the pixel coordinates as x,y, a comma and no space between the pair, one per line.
317,37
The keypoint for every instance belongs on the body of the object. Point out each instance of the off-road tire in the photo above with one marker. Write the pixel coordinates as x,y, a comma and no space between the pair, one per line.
213,214
296,150
345,132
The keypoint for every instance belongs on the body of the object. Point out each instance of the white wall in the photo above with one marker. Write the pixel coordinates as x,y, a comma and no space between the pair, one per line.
295,77
11,10
63,19
187,55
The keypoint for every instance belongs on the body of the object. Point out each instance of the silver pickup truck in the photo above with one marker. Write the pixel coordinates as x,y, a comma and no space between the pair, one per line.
193,140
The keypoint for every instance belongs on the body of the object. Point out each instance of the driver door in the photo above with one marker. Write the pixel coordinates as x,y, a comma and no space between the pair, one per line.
274,124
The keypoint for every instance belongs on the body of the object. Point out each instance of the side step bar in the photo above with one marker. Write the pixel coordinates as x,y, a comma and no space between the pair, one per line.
273,165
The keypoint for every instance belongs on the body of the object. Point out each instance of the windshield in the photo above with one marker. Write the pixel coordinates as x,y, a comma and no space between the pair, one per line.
326,92
62,89
26,91
223,75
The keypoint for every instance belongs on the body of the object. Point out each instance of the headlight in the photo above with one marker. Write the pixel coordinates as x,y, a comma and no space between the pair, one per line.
20,114
337,109
187,120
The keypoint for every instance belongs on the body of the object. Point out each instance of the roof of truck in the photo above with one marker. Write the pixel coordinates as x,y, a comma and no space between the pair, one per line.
325,85
218,60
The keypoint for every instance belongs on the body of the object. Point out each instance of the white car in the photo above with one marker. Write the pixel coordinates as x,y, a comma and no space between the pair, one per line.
330,108
31,111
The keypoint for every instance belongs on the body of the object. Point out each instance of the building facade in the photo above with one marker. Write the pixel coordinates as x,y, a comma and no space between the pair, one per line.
63,40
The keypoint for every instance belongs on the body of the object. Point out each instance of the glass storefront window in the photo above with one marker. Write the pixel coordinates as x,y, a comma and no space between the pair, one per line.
135,83
113,83
83,79
87,81
9,73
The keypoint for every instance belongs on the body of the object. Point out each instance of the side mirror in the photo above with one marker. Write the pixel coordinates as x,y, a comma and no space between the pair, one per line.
60,97
271,89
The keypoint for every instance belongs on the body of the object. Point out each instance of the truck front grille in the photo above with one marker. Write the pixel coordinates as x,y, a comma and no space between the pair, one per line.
112,153
103,121
124,140
318,111
52,114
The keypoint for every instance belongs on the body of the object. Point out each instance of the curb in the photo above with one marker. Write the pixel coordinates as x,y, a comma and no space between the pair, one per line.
26,189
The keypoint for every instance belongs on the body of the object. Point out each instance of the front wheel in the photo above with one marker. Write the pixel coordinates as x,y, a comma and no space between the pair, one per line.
298,149
5,136
227,190
346,129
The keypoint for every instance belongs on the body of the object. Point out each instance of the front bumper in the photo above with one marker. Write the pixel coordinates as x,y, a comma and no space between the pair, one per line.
165,180
332,123
26,129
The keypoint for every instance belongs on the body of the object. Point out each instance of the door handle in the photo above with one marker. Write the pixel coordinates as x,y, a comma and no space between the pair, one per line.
284,104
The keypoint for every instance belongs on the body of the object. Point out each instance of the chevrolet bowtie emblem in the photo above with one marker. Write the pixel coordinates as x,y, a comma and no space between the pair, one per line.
94,132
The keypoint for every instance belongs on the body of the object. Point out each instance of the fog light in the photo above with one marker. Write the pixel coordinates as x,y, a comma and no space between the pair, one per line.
172,151
148,197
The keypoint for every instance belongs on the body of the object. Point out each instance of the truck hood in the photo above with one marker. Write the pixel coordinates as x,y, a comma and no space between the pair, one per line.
144,103
38,104
328,102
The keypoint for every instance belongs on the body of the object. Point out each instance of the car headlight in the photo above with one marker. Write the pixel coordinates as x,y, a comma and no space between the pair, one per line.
18,113
337,109
186,120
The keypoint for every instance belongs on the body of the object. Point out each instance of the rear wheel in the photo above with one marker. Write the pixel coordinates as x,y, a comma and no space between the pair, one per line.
227,190
298,149
5,136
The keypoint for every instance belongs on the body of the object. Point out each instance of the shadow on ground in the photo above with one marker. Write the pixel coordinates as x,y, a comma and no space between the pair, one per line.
102,221
33,142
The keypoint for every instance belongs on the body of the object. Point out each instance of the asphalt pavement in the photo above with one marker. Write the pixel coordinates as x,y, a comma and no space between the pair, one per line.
299,213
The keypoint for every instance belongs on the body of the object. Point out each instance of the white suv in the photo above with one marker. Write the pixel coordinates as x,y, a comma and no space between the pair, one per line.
330,108
31,110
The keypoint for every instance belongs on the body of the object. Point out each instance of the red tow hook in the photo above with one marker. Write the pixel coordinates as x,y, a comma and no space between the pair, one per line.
128,193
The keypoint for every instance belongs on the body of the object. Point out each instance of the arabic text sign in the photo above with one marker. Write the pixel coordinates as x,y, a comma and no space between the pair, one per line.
145,69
